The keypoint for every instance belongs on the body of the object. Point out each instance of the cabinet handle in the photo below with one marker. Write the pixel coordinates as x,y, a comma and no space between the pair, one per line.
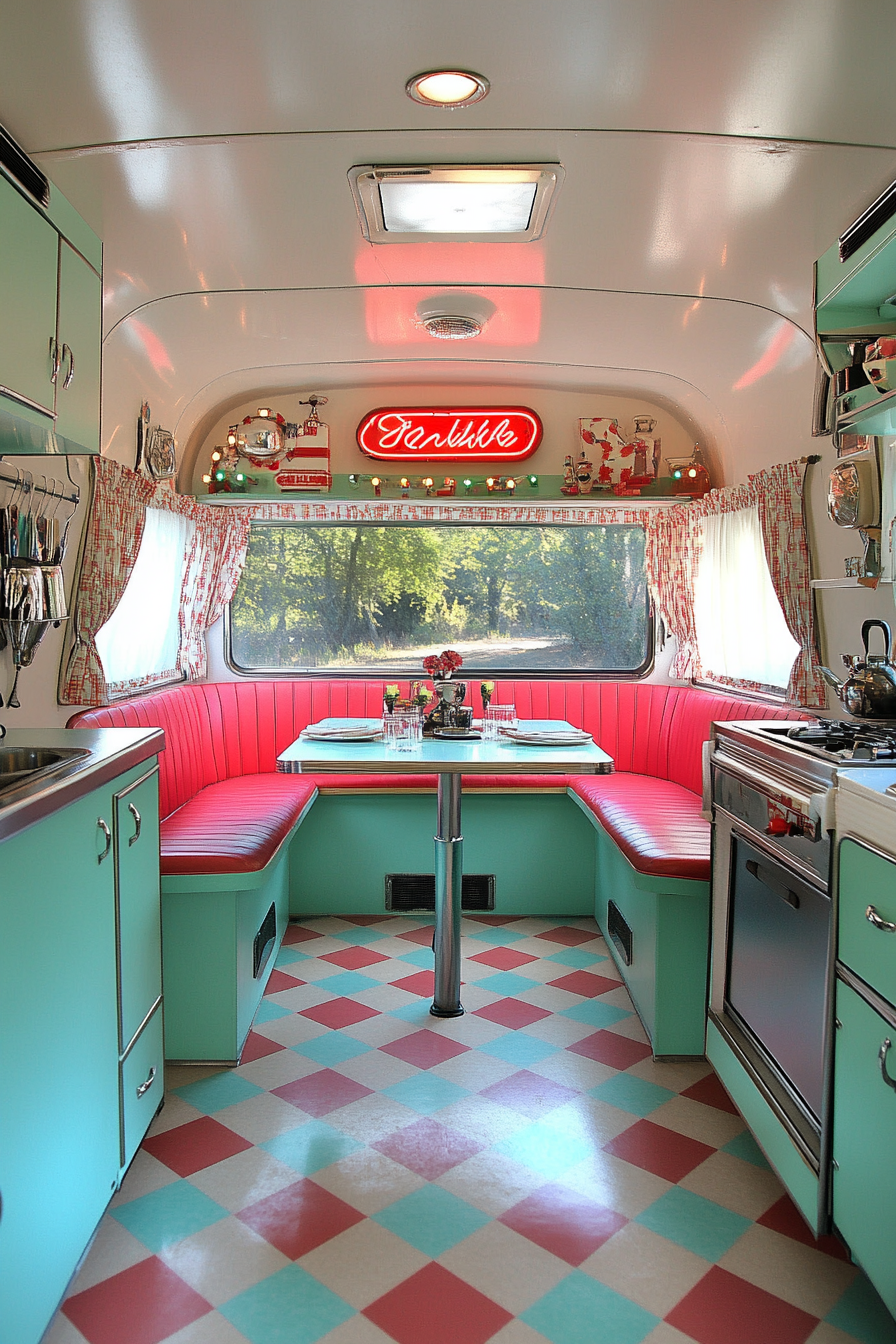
144,1087
138,822
69,377
874,918
56,358
882,1056
101,825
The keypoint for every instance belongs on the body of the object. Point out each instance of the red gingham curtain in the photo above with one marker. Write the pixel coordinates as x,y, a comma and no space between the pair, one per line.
671,567
214,563
114,531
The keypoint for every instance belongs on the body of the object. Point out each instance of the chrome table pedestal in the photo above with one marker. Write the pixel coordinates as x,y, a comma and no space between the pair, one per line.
449,881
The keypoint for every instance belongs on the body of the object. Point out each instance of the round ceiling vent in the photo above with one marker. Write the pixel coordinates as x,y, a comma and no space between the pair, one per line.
452,326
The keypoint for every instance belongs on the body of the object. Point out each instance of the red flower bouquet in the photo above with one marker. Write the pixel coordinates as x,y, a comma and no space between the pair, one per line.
442,665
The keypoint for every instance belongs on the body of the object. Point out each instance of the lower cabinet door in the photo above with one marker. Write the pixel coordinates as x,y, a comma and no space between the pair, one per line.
864,1178
142,1086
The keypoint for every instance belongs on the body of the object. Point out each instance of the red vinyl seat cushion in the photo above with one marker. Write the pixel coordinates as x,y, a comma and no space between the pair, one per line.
236,826
656,824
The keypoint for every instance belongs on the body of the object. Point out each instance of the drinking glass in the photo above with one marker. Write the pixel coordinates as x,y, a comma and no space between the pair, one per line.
498,717
402,731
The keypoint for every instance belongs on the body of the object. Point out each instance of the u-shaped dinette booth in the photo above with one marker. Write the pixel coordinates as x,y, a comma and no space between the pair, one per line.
238,838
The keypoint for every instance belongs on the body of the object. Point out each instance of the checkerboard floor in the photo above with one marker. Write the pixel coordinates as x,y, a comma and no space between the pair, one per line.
524,1173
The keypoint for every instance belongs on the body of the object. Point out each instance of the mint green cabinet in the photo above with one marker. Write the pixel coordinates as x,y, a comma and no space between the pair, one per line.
867,907
28,262
78,345
864,1143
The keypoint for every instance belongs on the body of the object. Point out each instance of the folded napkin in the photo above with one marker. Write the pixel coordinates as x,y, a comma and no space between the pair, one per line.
554,737
342,732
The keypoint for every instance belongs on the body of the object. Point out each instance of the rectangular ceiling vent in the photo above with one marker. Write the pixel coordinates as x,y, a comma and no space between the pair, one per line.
18,165
410,892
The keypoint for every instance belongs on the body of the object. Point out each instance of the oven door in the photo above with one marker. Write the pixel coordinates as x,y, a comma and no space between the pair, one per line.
777,968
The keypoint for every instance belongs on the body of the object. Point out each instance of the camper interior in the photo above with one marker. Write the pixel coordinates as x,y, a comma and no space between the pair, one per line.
475,420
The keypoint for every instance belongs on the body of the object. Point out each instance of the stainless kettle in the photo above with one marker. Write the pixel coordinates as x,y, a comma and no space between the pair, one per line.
869,692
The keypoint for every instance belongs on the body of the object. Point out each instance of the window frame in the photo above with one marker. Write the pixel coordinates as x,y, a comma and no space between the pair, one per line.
470,671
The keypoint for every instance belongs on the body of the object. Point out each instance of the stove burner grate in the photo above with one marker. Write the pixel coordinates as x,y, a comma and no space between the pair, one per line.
848,741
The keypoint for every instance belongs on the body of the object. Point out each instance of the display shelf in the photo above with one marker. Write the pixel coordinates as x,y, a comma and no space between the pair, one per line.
846,583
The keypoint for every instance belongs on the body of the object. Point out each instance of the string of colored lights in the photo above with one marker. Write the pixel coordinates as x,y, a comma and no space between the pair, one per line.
468,485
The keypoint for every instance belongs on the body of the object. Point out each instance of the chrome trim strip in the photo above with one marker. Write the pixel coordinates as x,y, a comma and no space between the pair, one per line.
136,1035
871,996
26,401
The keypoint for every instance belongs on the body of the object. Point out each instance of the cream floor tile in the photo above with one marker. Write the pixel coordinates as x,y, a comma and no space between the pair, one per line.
480,1119
647,1268
223,1260
473,997
61,1331
550,998
179,1075
676,1075
175,1112
303,996
467,1030
474,1071
380,1030
393,947
371,1118
829,1334
576,1071
289,1031
705,1123
260,1117
518,1332
113,1250
506,1267
595,1121
562,1031
275,1070
245,1178
376,1069
491,1182
807,1278
212,1328
386,998
615,1184
540,972
356,1330
314,971
363,1263
666,1334
736,1185
368,1180
144,1175
632,1027
618,998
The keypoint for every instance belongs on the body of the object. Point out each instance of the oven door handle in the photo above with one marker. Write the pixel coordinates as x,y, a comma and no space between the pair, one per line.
810,806
769,878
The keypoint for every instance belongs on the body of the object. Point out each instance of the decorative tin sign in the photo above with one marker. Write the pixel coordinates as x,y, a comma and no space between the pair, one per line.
450,434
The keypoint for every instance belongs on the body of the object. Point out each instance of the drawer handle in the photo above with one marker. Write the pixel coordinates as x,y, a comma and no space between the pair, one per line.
101,825
138,822
144,1087
69,377
56,359
883,924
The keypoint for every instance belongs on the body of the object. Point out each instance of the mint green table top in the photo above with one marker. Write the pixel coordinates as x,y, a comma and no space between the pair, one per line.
437,756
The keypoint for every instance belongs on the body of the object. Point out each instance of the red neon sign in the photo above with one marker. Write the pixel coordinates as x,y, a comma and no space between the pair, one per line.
450,434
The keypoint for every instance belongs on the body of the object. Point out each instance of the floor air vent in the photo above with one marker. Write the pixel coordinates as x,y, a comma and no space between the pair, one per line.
417,891
619,931
264,941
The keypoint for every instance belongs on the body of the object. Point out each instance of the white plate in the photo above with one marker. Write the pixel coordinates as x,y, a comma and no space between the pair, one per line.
343,735
548,739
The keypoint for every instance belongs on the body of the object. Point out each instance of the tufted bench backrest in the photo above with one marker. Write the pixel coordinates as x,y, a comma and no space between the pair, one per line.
218,730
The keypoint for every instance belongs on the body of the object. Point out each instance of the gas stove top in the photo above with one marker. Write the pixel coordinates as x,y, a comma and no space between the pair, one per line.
837,741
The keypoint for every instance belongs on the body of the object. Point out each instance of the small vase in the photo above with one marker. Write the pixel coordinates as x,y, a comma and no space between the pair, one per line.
451,695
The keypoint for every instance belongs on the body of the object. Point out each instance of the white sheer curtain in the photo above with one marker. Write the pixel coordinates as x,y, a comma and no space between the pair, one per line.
140,641
741,630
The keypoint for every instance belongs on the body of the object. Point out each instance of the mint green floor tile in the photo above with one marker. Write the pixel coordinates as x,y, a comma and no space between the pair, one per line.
213,1094
349,982
360,936
632,1094
545,1148
507,983
519,1048
696,1223
575,956
288,955
432,1220
269,1012
582,1311
746,1148
332,1048
423,957
499,937
311,1147
594,1013
164,1217
290,1307
425,1092
861,1313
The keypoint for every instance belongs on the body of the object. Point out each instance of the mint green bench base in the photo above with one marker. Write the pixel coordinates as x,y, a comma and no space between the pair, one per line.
669,920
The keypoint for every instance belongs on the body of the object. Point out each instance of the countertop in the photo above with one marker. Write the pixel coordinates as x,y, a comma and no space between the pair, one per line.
112,752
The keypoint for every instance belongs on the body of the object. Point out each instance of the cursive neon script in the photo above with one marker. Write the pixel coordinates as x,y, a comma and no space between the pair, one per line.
396,431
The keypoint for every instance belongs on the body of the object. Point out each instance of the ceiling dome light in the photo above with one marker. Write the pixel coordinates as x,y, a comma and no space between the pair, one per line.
452,327
447,88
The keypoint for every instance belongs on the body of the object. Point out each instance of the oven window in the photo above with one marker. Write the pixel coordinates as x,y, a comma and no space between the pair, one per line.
377,598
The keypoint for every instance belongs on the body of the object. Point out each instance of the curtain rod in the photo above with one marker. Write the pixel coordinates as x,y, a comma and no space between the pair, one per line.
31,487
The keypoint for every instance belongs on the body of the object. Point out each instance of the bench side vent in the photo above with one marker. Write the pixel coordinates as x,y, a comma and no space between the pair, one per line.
264,942
619,931
417,891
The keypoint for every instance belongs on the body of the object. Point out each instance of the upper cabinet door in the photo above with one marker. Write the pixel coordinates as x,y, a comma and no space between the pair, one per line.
78,337
27,301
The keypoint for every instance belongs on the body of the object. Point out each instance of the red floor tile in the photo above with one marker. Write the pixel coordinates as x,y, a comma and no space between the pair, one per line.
564,1223
620,1052
302,1216
512,1013
585,983
723,1309
422,983
338,1013
353,958
320,1093
496,920
660,1150
428,1148
142,1305
784,1217
257,1047
711,1092
529,1093
364,920
424,1049
433,1306
503,958
279,980
195,1146
422,936
569,937
296,933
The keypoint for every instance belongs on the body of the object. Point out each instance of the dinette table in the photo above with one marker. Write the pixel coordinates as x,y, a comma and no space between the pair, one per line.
448,759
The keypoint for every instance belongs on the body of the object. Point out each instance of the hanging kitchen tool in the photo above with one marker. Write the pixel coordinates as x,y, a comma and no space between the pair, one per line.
869,692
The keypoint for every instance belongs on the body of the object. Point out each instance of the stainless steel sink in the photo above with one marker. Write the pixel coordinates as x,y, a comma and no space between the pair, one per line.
21,765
